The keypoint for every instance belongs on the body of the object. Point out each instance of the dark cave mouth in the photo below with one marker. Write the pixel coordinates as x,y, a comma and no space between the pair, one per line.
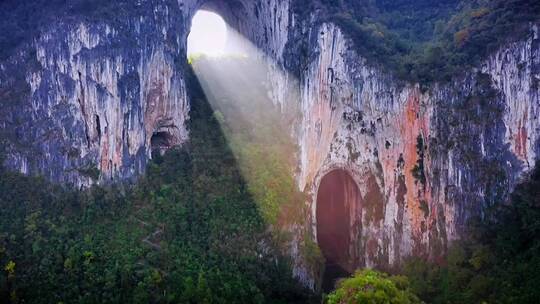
337,197
160,142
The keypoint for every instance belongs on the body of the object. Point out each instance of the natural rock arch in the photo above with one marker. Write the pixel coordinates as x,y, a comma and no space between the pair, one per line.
263,23
233,12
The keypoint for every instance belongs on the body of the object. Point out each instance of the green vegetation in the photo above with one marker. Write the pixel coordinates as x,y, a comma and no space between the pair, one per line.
188,232
22,21
418,40
369,286
91,171
206,223
258,133
428,40
498,263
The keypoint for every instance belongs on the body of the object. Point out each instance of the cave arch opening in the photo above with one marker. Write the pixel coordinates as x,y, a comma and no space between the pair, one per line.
218,28
338,197
208,34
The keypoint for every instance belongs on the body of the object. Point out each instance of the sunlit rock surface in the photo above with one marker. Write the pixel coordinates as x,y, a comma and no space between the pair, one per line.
86,101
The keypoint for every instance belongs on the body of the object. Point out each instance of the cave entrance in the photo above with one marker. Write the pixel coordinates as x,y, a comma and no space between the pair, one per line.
208,35
337,198
160,142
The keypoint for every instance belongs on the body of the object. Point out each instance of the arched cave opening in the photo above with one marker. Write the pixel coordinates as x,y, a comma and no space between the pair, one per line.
160,142
208,34
220,27
337,198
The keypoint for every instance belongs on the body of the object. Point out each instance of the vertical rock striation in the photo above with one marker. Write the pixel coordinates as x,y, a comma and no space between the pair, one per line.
95,97
88,100
425,162
97,94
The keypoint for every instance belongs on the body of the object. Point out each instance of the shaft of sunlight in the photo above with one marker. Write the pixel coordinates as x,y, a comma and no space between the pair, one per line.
251,97
247,87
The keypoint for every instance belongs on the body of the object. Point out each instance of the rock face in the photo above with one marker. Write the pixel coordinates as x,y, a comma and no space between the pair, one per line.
96,97
425,162
87,101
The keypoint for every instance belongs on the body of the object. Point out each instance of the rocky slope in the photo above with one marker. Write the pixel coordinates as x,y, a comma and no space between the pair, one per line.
88,101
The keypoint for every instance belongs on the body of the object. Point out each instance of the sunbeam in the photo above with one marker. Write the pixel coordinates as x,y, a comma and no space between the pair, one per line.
239,86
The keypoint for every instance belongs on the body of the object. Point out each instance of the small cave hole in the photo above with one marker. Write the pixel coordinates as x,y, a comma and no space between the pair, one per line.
160,142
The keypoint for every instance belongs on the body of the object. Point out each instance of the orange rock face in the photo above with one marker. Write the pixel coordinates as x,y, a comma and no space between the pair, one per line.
423,162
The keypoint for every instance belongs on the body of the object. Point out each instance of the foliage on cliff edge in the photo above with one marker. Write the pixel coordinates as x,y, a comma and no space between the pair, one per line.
428,40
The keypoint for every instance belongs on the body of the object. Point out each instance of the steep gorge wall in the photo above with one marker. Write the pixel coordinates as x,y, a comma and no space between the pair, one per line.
468,142
94,93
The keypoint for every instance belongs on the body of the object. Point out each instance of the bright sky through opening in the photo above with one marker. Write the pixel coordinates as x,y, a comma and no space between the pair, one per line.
208,34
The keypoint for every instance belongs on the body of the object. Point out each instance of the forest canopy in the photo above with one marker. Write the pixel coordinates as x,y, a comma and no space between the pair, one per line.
421,41
428,40
190,231
195,230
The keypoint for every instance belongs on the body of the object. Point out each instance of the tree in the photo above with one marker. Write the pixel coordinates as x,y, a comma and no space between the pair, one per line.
369,286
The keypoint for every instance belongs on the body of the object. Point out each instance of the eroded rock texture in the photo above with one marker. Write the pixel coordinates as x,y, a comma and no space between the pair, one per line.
88,101
425,162
97,93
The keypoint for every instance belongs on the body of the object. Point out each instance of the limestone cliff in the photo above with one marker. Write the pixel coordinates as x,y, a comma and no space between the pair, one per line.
425,161
95,95
88,100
